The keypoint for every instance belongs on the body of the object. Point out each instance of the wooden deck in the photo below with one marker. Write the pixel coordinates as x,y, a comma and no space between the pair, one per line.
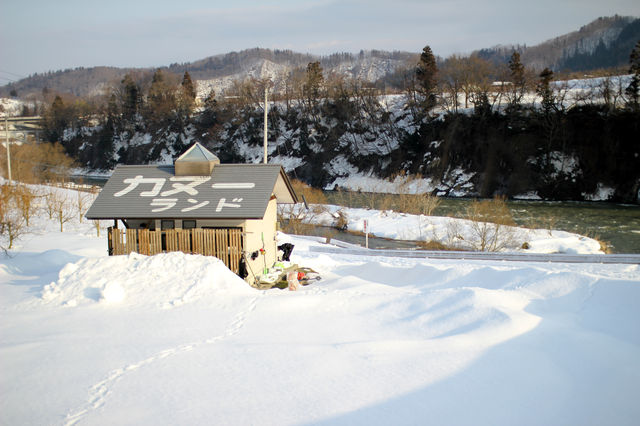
224,243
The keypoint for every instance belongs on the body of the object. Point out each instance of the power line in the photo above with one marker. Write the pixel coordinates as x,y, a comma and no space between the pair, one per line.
13,74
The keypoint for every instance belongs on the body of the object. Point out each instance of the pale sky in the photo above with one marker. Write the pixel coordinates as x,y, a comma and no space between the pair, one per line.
46,35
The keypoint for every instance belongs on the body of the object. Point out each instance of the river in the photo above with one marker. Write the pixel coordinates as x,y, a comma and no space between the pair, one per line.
616,224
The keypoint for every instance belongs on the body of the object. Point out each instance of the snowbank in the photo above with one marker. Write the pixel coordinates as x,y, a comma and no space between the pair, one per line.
165,280
456,233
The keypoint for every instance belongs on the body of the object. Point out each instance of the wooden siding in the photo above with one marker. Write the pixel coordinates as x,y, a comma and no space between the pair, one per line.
225,243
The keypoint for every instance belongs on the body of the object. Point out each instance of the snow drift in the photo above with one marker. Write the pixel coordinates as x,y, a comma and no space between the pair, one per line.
164,280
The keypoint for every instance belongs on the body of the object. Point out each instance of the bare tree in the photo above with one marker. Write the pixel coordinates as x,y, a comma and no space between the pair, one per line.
11,219
83,202
476,79
24,200
451,76
34,163
470,76
58,203
96,224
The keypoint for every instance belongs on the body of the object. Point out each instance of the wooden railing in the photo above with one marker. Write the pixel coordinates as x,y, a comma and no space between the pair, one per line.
223,243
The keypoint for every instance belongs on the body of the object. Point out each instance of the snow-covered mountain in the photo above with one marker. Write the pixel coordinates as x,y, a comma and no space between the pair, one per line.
219,72
366,66
605,42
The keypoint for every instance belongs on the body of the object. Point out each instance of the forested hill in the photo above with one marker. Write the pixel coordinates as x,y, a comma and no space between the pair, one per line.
603,43
216,72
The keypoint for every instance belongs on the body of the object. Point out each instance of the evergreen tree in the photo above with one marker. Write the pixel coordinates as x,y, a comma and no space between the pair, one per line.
56,120
426,75
112,108
633,90
518,81
313,82
209,115
187,96
545,91
130,99
312,87
188,88
161,101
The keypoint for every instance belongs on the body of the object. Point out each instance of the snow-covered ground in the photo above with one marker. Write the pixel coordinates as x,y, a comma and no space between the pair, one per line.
178,339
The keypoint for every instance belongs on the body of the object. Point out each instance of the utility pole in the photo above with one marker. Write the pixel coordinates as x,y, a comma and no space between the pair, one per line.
266,110
6,130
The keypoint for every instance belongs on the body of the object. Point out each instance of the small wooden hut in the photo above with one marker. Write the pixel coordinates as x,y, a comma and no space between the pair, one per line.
197,206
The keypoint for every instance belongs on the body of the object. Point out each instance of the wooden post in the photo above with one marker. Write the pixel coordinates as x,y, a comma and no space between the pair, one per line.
235,249
131,243
6,129
110,241
117,243
366,234
197,241
143,241
184,245
266,112
155,243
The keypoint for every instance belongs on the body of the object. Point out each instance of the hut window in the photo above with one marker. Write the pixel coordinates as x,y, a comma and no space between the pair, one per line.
167,224
188,224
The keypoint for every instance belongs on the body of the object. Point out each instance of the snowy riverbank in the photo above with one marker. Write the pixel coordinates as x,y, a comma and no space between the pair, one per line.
454,233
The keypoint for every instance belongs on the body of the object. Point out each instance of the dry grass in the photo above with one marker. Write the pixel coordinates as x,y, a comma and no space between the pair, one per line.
295,218
605,246
418,204
312,195
296,226
433,245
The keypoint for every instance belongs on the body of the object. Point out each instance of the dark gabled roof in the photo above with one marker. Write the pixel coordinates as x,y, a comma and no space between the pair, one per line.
233,191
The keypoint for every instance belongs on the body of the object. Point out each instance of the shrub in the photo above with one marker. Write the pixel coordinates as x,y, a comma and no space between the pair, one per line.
492,226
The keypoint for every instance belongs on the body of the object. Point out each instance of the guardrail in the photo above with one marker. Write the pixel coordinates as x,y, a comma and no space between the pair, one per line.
631,259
